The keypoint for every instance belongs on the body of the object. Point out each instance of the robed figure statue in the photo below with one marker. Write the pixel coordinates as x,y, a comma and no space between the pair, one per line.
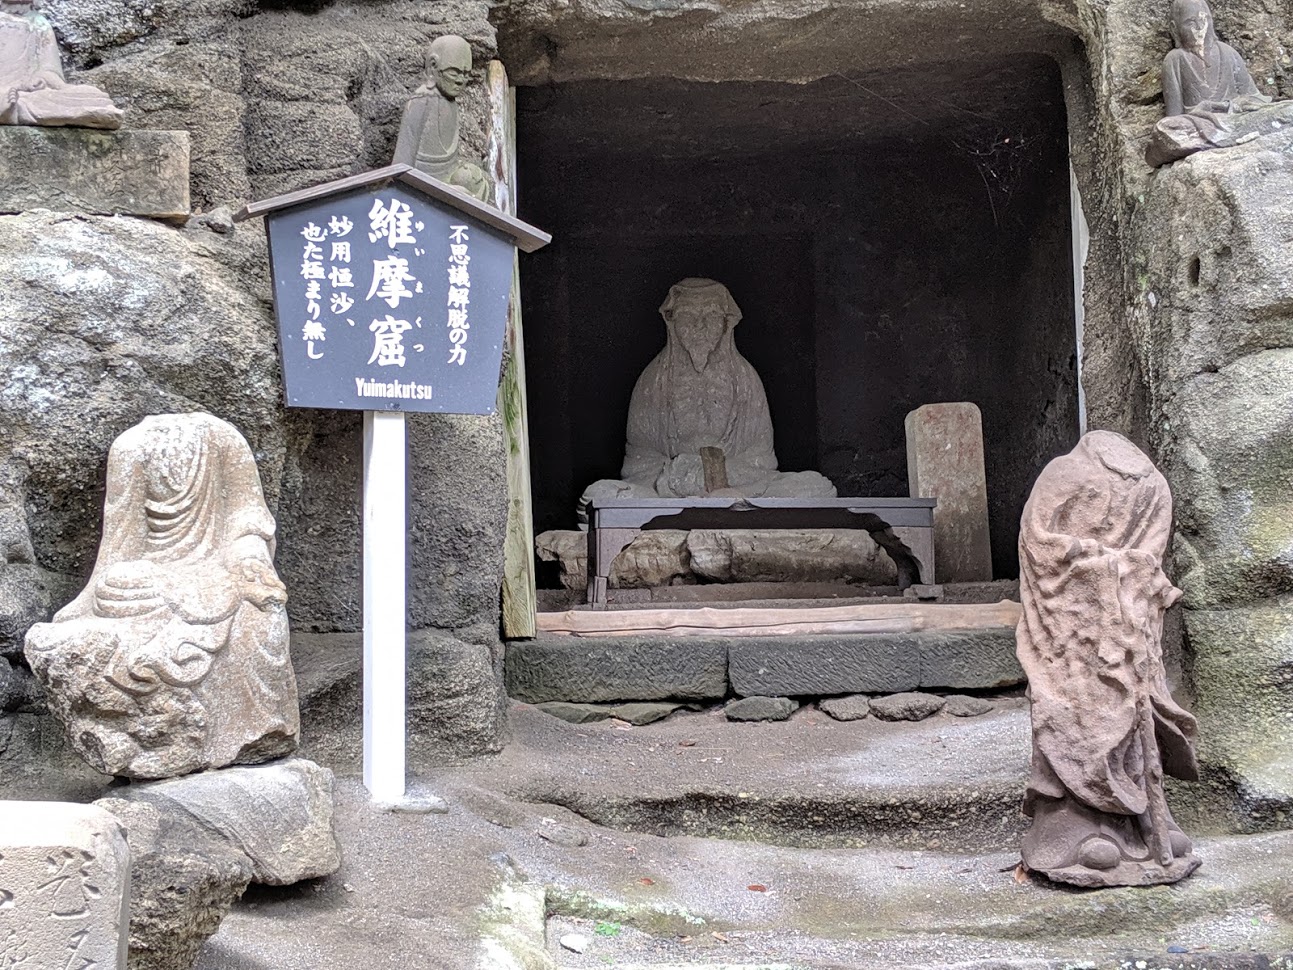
1105,726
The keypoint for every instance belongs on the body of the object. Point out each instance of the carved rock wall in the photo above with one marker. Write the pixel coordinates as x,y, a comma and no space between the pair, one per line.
106,319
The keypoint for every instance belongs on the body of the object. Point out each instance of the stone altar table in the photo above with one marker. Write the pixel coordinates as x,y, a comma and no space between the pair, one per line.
614,522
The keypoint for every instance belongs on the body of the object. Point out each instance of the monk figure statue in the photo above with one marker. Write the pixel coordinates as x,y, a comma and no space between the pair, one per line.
698,418
1105,727
1209,98
32,88
174,658
428,137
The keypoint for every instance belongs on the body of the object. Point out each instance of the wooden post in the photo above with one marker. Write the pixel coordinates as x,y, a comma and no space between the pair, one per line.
385,515
519,596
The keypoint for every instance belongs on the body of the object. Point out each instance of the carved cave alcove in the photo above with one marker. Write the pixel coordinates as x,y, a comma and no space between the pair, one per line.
891,243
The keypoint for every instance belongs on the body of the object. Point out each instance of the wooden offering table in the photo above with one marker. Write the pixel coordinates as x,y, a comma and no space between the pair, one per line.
613,524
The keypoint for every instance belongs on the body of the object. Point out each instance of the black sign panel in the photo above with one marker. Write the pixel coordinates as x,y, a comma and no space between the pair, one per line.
388,300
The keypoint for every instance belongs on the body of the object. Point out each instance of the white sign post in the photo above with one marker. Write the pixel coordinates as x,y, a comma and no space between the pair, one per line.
391,292
385,586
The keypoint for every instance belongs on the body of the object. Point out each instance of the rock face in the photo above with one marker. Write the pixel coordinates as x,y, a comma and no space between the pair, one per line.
197,842
182,883
854,707
760,709
174,658
907,706
66,881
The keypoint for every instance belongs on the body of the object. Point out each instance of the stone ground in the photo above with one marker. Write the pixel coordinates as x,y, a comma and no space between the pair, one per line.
880,845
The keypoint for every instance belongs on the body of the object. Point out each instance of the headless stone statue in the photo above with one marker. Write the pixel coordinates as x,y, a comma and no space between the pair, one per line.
32,88
428,137
1209,98
1105,727
698,419
174,658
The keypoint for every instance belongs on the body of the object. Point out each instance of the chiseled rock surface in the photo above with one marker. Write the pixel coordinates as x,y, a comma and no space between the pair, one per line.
63,887
279,815
183,881
786,556
602,669
907,706
135,173
575,713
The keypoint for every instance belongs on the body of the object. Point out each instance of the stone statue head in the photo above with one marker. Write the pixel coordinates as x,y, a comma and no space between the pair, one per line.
700,313
1192,25
449,62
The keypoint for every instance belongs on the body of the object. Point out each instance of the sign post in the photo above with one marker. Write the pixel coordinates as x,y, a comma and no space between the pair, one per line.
391,294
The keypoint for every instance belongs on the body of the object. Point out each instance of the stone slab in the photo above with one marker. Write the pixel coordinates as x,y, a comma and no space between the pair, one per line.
969,659
945,461
136,173
617,669
815,666
64,886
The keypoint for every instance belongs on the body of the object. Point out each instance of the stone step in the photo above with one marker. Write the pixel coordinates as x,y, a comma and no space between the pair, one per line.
698,668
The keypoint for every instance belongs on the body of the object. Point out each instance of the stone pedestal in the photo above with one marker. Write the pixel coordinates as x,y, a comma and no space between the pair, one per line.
945,461
64,886
134,173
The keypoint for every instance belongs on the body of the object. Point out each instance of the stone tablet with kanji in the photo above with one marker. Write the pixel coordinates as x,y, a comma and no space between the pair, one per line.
391,292
64,887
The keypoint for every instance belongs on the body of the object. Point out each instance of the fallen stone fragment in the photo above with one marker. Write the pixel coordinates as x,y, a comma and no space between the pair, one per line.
574,942
761,709
65,882
183,880
854,707
575,713
962,705
278,815
564,835
907,706
645,712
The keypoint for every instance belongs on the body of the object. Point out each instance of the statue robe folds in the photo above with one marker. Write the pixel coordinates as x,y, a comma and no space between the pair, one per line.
429,141
1105,726
32,88
174,658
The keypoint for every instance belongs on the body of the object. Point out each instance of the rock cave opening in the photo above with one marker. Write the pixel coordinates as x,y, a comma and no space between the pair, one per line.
892,241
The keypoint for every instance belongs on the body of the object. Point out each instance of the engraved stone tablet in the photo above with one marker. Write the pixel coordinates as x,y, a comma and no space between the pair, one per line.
64,887
945,461
134,173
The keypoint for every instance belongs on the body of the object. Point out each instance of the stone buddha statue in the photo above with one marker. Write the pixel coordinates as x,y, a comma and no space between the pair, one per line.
698,419
1209,98
428,138
174,658
32,88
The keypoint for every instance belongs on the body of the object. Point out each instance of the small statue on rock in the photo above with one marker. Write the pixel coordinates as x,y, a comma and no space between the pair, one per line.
1209,98
174,658
698,419
32,88
1105,727
428,138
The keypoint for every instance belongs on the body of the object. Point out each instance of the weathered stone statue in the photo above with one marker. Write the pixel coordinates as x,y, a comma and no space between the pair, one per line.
1105,727
174,658
1209,98
32,88
428,138
698,419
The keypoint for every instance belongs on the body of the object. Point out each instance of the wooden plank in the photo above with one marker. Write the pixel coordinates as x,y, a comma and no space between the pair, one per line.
526,237
519,595
757,622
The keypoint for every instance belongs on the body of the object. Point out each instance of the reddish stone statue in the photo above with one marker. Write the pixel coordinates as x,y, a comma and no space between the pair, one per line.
1105,727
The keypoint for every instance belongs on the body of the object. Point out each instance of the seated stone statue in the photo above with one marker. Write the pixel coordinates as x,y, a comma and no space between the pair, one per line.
1105,727
32,88
1209,98
428,138
174,658
698,418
